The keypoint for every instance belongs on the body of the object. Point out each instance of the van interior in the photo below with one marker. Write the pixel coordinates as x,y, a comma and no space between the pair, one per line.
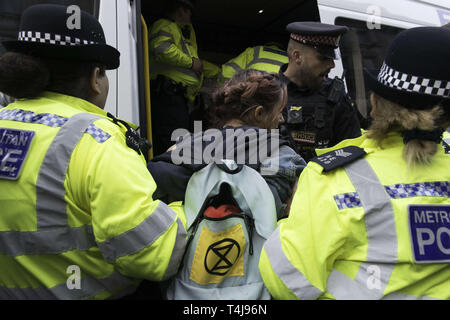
226,28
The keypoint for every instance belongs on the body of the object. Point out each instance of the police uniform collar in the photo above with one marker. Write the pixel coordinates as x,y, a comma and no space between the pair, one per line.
74,102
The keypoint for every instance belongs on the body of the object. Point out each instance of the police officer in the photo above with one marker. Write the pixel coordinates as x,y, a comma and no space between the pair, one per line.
318,113
77,218
176,72
269,58
371,216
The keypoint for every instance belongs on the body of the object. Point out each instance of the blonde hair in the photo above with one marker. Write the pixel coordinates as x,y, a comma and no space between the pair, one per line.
389,116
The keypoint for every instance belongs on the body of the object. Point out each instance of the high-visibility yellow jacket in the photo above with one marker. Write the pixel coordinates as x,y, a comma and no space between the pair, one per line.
77,218
369,229
171,55
264,58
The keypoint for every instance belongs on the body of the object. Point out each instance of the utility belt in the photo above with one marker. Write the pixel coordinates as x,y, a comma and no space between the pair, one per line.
164,85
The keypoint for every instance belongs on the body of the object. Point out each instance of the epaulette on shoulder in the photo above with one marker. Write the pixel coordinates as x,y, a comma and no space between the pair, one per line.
339,158
446,146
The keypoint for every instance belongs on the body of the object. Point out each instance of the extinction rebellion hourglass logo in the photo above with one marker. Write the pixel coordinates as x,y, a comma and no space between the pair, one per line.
221,256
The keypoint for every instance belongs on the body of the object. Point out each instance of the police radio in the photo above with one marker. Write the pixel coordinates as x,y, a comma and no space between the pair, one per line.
337,89
294,115
132,138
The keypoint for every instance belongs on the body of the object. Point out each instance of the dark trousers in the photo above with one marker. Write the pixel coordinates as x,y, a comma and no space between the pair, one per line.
147,290
169,112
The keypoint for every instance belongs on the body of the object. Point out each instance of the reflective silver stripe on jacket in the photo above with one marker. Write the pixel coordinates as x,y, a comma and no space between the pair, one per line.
265,60
279,52
50,120
256,58
50,191
143,235
184,47
46,241
293,279
177,252
89,287
374,274
166,45
166,67
160,33
233,65
53,235
163,46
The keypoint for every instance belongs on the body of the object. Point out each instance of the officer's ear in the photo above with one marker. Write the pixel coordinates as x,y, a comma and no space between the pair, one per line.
98,87
298,56
374,103
94,81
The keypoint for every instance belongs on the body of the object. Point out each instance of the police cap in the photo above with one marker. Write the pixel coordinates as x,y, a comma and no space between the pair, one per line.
322,37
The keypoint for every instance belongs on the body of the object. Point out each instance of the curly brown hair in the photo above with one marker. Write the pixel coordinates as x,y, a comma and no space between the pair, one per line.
245,90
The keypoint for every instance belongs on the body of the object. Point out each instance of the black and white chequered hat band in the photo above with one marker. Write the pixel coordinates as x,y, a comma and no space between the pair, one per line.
33,36
406,82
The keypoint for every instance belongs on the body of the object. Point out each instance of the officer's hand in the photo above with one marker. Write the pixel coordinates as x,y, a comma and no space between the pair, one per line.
197,66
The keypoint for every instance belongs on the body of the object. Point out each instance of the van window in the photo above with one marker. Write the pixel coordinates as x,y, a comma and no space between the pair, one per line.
363,48
10,12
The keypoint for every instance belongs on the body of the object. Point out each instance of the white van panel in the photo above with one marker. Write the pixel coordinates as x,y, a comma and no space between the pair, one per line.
118,19
411,11
107,18
439,3
329,15
128,81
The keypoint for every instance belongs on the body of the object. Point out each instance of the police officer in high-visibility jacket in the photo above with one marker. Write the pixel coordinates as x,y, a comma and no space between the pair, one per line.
269,58
370,218
176,72
77,216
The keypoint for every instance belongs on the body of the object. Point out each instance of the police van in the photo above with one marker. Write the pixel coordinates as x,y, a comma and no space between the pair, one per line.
226,28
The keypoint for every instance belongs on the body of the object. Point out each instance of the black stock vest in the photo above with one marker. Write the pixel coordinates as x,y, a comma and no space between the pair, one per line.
318,120
309,120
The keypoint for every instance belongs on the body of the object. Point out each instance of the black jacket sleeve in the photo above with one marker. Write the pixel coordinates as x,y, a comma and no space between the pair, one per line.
346,123
170,179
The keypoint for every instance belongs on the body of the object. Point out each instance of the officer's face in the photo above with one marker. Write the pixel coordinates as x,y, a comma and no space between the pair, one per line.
185,15
314,68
